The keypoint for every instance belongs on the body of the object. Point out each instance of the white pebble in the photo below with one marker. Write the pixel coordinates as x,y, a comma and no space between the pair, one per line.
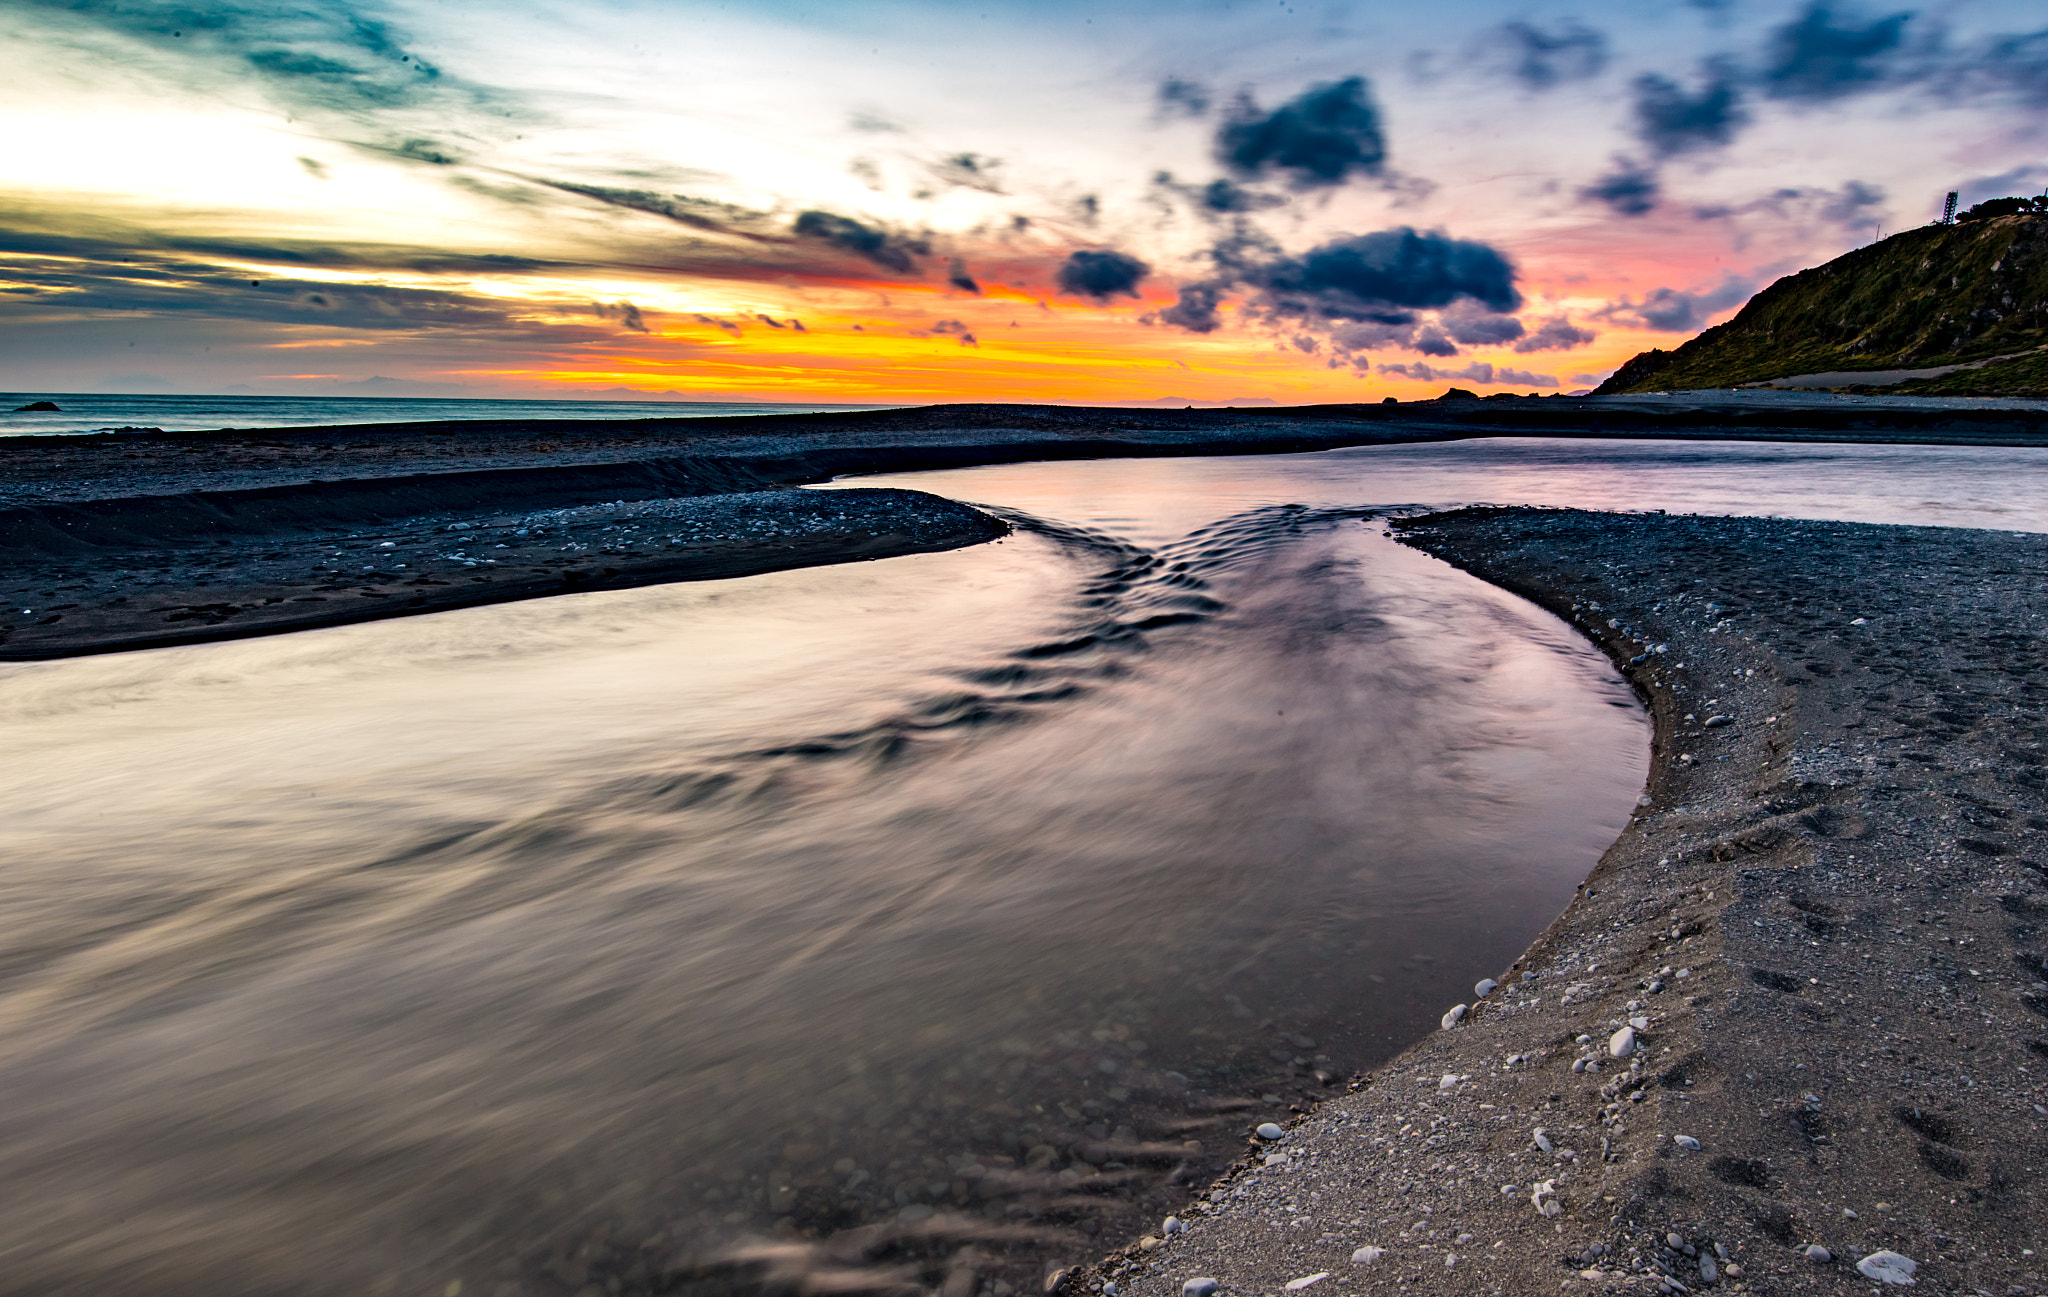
1686,1142
1199,1288
1367,1255
1307,1280
1484,988
1622,1043
1454,1017
1887,1267
1448,1083
1174,1225
1268,1130
1542,1138
1818,1254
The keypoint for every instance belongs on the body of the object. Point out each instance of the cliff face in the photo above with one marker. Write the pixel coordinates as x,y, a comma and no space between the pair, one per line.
1938,295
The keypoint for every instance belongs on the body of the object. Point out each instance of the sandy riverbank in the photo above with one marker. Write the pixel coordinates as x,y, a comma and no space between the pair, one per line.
1823,932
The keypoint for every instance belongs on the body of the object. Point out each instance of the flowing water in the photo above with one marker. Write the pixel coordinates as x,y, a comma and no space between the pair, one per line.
946,914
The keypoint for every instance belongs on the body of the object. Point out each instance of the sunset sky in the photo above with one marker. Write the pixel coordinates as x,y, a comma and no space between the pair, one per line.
905,200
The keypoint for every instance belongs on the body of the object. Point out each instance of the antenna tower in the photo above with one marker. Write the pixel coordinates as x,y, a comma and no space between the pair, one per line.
1948,209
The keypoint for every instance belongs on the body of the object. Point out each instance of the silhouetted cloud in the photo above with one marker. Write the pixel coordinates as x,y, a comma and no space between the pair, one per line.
1322,137
1179,97
889,250
1855,204
957,329
1431,342
957,276
1476,372
968,171
1542,59
1818,57
335,58
1477,327
1379,276
627,314
726,325
695,213
1196,311
1101,274
1555,334
1630,189
1670,310
769,320
1671,121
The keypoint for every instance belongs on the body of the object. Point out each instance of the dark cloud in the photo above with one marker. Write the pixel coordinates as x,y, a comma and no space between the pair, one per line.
1555,334
1542,59
715,322
770,321
17,235
702,214
1476,372
1855,204
957,276
1179,97
1669,120
1669,310
1382,275
1196,311
627,314
694,213
1630,189
968,171
324,57
1322,137
1432,342
1101,274
885,248
1817,56
2016,64
1476,326
957,329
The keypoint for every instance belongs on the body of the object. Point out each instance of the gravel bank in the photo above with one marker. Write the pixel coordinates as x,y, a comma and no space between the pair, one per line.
61,602
1789,1036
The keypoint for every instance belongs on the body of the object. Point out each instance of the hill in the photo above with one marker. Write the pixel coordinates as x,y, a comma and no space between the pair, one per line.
1940,295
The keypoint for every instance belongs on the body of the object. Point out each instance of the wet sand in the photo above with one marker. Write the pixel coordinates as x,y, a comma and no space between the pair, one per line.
133,540
1796,1016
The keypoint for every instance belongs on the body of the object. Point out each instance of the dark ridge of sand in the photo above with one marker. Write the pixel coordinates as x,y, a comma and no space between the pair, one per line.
1830,920
127,540
79,598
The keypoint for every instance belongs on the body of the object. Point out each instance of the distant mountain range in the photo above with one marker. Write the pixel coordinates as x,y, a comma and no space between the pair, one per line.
1943,310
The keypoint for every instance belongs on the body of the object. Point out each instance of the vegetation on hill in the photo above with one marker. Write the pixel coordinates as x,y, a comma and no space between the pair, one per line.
1937,295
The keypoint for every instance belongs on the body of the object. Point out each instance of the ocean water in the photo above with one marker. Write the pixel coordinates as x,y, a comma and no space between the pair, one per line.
95,412
935,919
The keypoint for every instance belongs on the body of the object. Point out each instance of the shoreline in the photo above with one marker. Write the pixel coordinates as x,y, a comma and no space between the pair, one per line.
1799,1004
131,540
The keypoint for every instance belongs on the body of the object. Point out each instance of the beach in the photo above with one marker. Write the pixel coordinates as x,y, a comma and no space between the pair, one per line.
1793,1023
1798,1005
138,539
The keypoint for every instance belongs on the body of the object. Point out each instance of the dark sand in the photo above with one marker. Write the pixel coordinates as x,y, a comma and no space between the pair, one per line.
1829,924
132,540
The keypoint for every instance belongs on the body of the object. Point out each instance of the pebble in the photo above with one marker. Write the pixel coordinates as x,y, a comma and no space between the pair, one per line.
1542,1138
1674,1241
1686,1142
1448,1083
1718,722
1622,1043
1708,1272
1268,1130
1199,1288
1887,1267
1296,1285
1174,1225
1818,1254
1454,1017
1484,988
1367,1255
1058,1278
